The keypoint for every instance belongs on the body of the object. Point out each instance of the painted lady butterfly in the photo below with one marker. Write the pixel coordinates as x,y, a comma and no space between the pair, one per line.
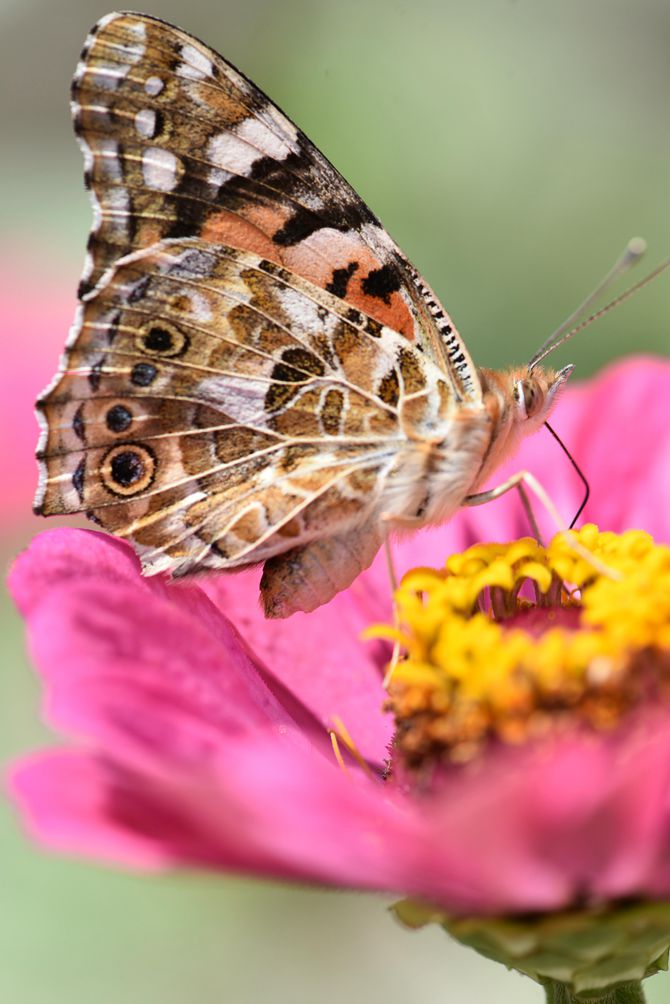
256,373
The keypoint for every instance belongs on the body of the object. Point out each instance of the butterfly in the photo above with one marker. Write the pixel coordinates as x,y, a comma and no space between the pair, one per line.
256,373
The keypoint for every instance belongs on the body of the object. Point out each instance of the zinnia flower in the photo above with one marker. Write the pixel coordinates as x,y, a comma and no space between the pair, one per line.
33,325
519,765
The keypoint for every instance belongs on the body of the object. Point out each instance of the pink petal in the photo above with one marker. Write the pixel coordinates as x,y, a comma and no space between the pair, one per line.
64,799
266,809
38,325
319,656
113,645
623,426
542,827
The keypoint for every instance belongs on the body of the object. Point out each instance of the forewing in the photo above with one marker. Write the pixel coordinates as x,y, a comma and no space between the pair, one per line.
218,410
178,143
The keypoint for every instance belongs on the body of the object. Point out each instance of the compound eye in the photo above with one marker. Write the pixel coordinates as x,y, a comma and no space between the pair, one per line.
520,399
527,397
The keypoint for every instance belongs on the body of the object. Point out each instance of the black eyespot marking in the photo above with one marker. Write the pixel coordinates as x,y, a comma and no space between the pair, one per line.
381,282
164,340
128,469
143,374
159,340
340,280
95,373
78,426
78,478
118,418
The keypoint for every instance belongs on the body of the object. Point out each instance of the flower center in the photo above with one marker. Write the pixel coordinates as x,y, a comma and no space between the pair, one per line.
510,640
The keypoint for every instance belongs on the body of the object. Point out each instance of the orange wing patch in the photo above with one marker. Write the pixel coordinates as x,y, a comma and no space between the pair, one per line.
342,264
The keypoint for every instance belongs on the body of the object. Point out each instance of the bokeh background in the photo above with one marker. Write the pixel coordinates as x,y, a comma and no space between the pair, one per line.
511,147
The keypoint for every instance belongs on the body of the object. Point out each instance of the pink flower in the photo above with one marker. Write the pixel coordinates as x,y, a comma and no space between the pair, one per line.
35,320
200,730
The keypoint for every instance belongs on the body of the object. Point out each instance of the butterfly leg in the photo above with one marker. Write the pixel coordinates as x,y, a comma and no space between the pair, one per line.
393,578
517,481
524,479
530,515
520,481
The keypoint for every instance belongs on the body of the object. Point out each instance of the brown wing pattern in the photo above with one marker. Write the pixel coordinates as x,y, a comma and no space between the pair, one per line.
217,409
178,143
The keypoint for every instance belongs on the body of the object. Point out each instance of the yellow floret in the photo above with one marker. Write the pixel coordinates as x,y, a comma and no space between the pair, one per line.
471,657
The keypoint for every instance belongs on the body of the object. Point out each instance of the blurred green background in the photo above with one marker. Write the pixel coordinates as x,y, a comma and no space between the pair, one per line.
511,147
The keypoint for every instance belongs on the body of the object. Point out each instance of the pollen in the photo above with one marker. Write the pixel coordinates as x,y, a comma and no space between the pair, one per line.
508,641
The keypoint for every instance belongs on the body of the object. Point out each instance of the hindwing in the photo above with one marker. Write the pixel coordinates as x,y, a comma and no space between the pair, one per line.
217,410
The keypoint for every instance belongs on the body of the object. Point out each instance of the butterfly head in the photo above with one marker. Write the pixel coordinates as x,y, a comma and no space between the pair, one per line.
534,394
518,402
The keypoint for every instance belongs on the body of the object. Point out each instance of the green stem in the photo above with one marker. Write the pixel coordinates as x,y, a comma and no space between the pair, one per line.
625,993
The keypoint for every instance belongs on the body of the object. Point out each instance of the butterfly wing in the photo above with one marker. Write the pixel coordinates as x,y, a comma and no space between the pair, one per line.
178,143
219,410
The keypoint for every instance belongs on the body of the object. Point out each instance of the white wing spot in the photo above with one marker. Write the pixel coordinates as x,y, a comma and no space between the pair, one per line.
115,203
217,177
133,53
102,23
237,151
106,77
259,135
145,122
106,153
232,154
139,30
196,65
97,212
160,169
153,86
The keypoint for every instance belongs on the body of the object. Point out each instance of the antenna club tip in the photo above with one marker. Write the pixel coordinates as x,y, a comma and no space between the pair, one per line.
636,247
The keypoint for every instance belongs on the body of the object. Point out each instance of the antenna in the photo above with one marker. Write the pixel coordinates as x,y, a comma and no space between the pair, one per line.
632,254
580,473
